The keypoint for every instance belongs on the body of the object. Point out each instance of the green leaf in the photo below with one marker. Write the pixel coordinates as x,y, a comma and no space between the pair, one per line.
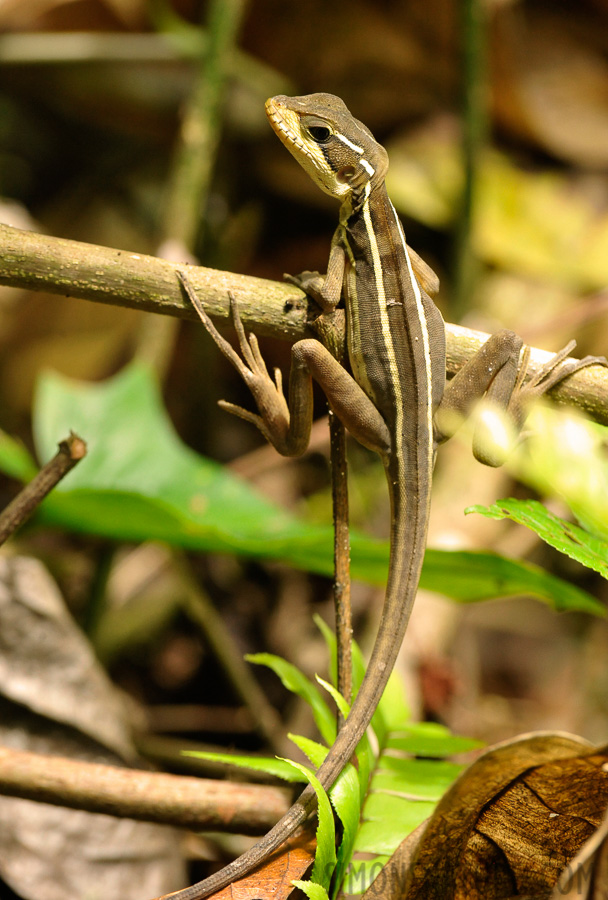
330,641
423,779
296,682
312,890
334,693
393,709
325,857
565,536
345,797
381,806
471,576
268,764
134,488
15,461
384,836
429,739
315,751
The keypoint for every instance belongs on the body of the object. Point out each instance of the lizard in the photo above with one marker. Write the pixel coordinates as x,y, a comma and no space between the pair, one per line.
394,400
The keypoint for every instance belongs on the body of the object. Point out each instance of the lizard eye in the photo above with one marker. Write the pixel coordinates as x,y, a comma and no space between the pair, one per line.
317,130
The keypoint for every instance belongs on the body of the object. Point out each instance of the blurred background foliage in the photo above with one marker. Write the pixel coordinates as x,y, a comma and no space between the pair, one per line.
495,116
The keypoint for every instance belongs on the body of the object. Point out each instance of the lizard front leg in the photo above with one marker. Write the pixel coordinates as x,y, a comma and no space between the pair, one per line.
287,425
498,370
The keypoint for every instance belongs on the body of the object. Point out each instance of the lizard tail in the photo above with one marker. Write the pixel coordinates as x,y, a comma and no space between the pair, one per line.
408,541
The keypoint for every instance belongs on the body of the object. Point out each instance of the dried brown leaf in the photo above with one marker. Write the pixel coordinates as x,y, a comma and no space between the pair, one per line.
273,880
509,826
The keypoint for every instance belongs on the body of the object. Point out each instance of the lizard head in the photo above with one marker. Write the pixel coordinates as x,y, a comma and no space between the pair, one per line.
339,153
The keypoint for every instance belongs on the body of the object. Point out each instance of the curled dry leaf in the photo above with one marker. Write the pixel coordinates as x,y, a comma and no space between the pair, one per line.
586,876
508,827
273,880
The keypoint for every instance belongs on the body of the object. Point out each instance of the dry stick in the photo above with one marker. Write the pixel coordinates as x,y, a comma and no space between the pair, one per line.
70,452
184,801
342,607
106,275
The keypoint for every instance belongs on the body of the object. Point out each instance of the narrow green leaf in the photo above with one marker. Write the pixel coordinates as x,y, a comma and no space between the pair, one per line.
325,857
565,536
330,641
296,682
315,751
268,764
337,697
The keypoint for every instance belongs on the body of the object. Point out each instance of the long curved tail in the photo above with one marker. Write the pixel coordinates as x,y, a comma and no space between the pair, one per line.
410,507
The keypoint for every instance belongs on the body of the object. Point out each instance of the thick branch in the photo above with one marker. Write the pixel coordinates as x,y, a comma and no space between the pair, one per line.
41,263
38,262
197,803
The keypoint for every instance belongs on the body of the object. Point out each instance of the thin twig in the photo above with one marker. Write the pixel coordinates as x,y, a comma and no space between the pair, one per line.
105,275
70,452
341,587
197,803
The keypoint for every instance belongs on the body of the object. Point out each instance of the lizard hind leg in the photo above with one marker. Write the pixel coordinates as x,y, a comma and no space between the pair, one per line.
557,367
498,372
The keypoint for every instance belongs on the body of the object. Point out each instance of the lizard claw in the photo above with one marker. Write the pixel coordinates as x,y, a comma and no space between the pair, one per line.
273,418
555,370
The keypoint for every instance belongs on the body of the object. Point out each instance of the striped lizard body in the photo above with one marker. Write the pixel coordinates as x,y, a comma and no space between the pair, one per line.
396,347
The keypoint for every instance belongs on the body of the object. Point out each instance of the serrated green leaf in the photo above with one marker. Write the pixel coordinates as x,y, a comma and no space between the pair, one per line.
325,857
269,764
345,797
565,536
296,682
312,890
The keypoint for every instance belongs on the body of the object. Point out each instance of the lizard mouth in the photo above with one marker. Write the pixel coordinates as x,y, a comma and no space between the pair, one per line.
285,124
